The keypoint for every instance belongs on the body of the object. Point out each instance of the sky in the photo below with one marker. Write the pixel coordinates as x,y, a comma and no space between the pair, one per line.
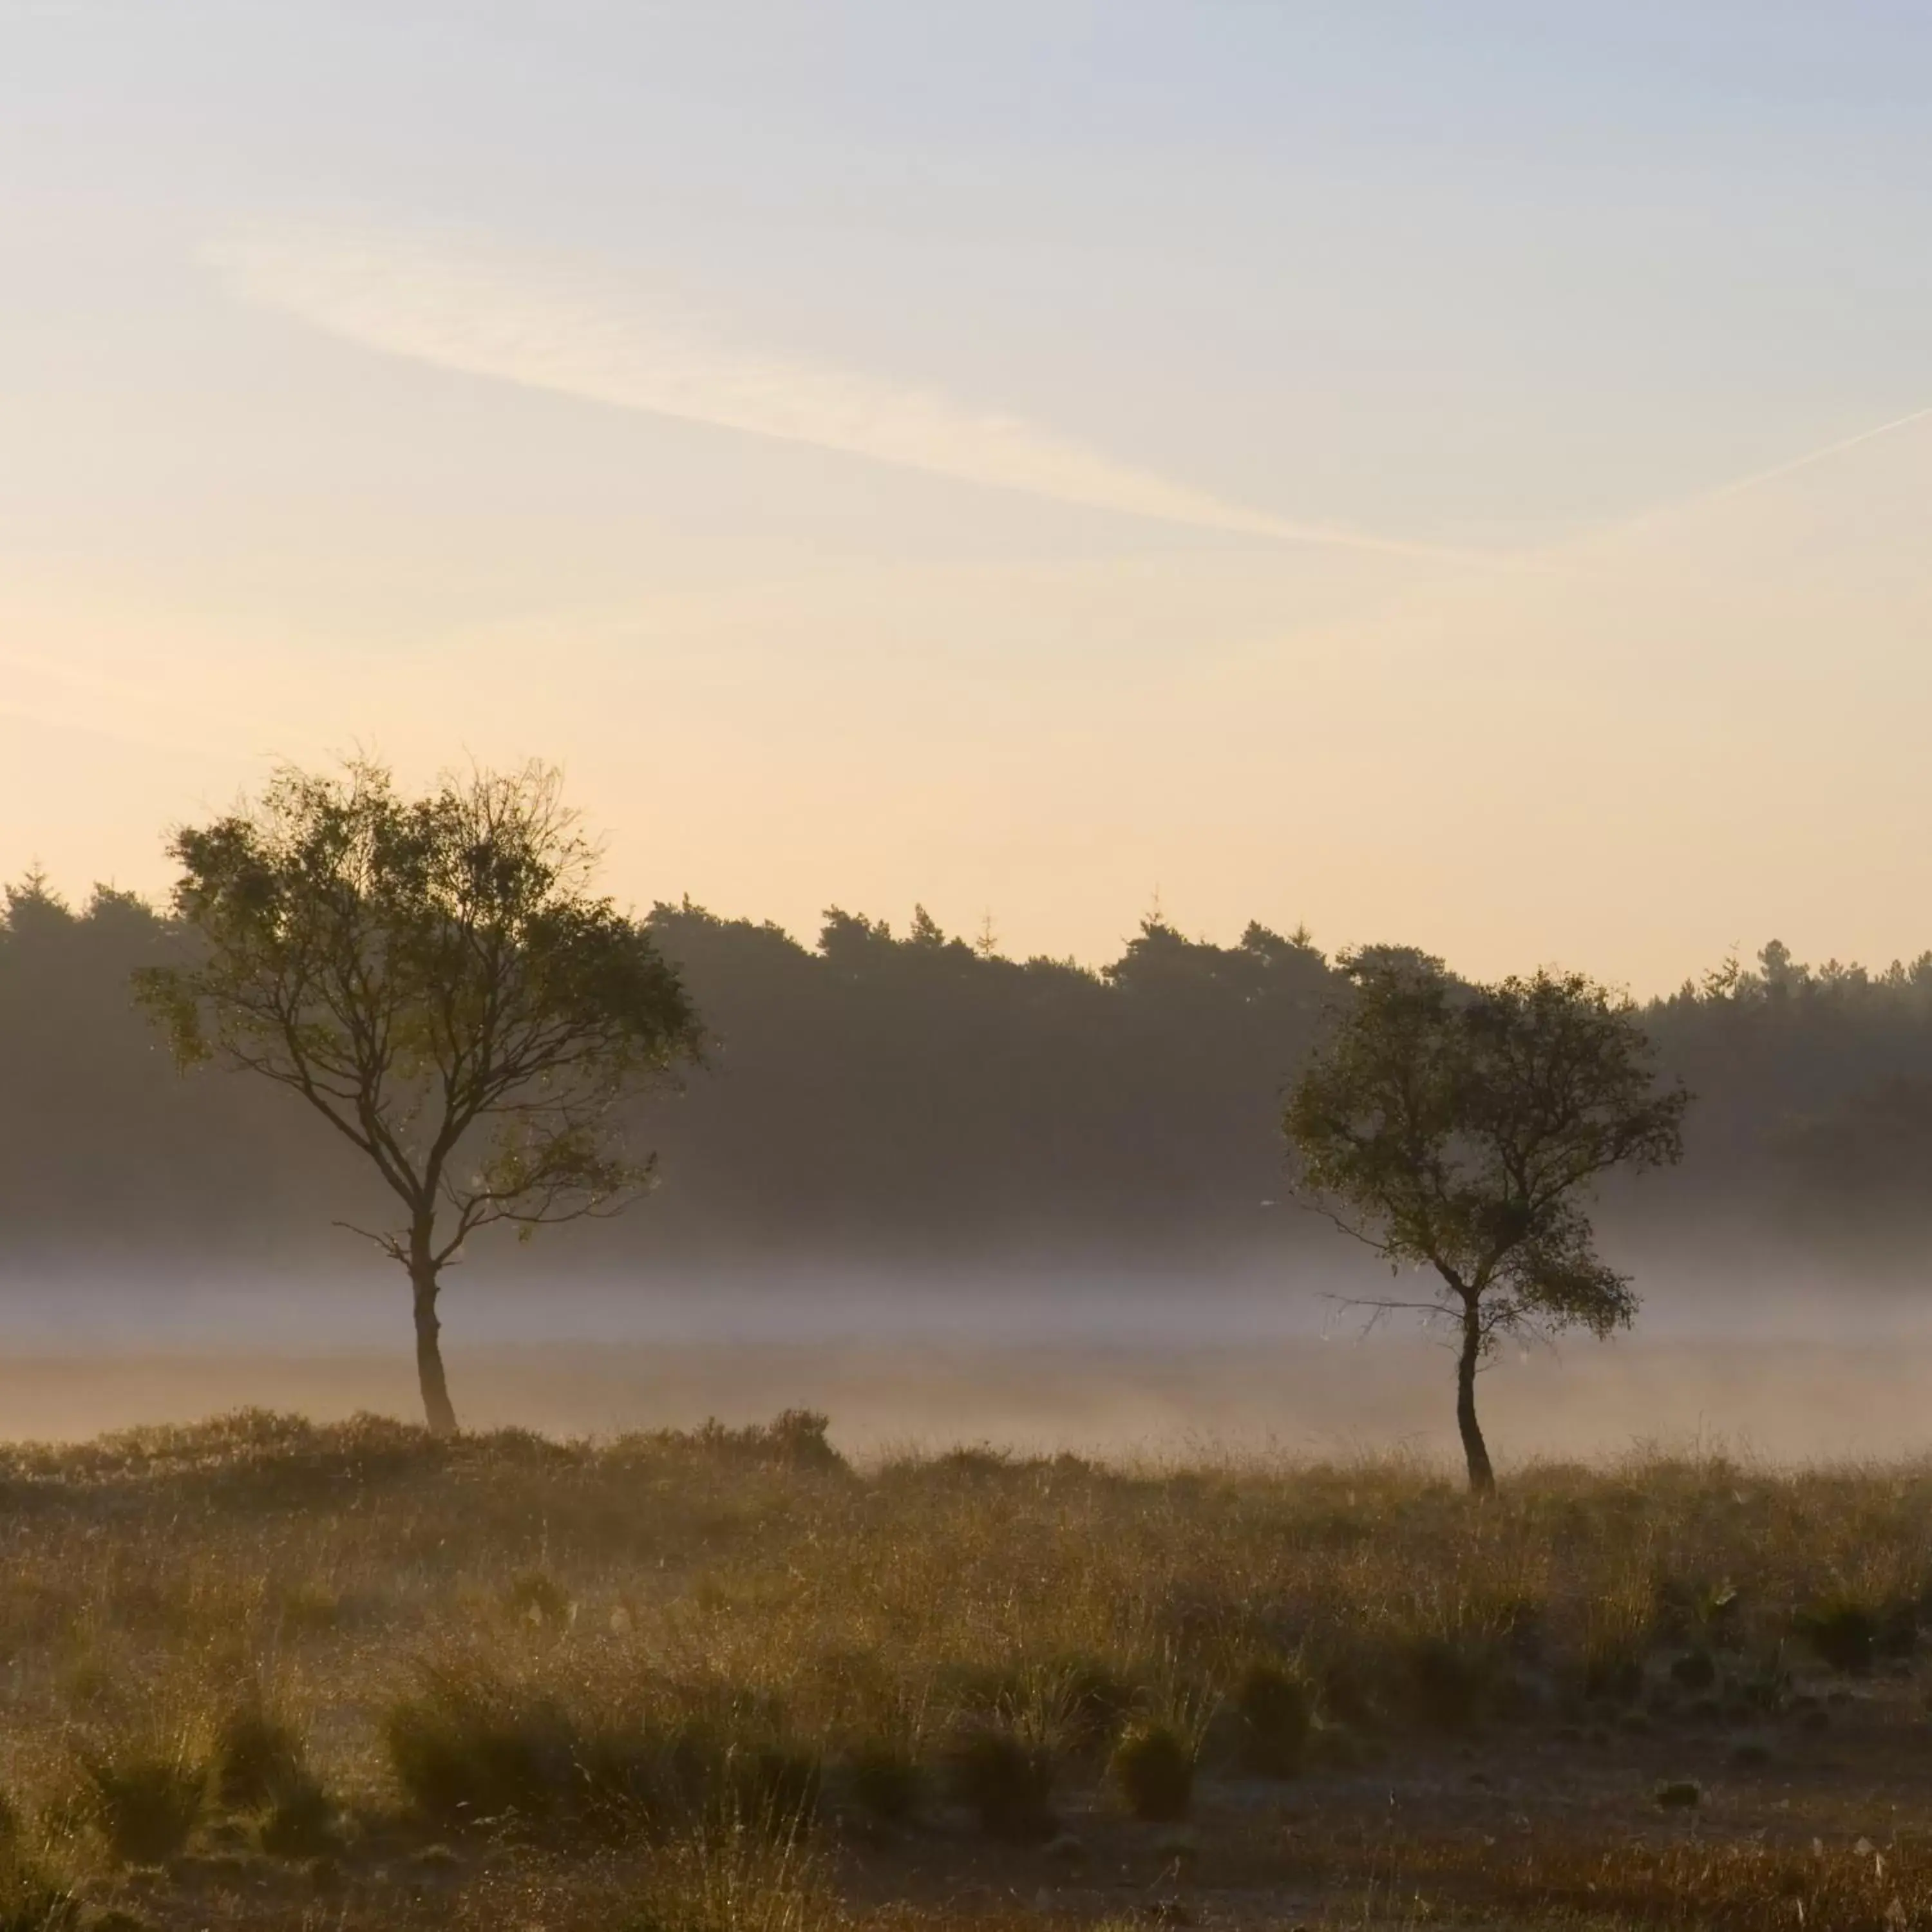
1453,475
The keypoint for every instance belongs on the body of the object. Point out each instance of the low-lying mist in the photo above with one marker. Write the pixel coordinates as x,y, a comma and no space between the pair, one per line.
1794,1369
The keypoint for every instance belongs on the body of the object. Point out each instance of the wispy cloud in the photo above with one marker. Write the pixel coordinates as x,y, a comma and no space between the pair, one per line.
468,305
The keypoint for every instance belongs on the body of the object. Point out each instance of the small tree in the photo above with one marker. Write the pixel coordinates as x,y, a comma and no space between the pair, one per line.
435,978
1458,1128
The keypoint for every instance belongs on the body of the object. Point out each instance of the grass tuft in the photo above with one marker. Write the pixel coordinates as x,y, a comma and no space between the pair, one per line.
736,1880
1850,1630
538,1599
797,1439
1447,1678
300,1821
1153,1764
1005,1777
887,1780
146,1799
1092,1699
470,1750
257,1756
1275,1710
32,1901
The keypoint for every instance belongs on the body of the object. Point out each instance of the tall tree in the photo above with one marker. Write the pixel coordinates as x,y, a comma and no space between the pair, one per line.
436,979
1459,1128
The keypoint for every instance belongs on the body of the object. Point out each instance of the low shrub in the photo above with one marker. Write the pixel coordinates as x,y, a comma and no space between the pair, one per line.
32,1901
300,1821
1348,1693
621,1777
305,1606
977,1691
1093,1700
1844,1630
1276,1711
795,1439
1699,1609
469,1750
887,1780
1613,1672
974,1460
88,1680
1446,1682
1762,1686
1695,1670
731,1758
1005,1779
1153,1764
735,1881
146,1800
257,1756
1336,1747
535,1597
774,1787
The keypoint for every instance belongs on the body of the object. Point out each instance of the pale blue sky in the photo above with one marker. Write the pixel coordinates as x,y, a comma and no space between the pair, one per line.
1004,455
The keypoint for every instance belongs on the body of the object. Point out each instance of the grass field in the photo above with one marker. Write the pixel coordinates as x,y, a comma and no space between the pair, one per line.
259,1672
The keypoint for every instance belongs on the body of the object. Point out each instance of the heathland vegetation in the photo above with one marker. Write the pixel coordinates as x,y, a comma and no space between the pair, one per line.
263,1673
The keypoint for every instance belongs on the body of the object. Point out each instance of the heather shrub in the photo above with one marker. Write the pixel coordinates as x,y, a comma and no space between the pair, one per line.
1153,1766
1275,1711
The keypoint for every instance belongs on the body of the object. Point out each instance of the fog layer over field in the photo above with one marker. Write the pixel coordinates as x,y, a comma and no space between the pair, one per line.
1792,1369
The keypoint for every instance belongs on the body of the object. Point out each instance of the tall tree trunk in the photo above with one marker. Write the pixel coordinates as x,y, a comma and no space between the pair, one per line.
437,1411
1475,1451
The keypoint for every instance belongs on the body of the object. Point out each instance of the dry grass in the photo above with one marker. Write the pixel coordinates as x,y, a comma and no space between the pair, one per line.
1568,1881
322,1654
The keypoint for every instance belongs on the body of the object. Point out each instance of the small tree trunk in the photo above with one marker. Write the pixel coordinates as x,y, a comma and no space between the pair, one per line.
437,1412
1475,1451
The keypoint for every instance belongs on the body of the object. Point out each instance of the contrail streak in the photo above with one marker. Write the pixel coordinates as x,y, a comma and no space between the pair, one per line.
1830,449
1720,493
478,309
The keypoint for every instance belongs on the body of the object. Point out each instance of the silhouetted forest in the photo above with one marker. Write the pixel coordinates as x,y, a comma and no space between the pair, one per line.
898,1098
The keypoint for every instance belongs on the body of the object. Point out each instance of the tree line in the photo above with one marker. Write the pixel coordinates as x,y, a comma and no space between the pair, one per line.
899,1097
